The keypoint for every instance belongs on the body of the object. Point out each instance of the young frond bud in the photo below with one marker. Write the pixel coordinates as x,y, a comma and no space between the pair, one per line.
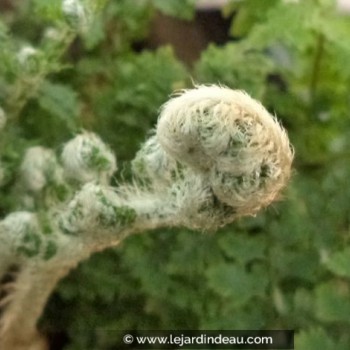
153,163
93,208
25,53
29,59
39,168
75,14
86,158
23,229
20,221
53,35
231,139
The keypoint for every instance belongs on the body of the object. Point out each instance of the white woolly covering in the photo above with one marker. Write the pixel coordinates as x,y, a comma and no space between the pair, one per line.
230,139
18,222
152,163
92,204
15,226
77,15
73,8
25,53
86,158
39,166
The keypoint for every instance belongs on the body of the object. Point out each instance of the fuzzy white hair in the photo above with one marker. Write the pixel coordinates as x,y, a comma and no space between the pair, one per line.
231,140
86,158
38,167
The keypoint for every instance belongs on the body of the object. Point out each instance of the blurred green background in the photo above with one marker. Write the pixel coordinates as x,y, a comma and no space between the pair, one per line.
286,268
